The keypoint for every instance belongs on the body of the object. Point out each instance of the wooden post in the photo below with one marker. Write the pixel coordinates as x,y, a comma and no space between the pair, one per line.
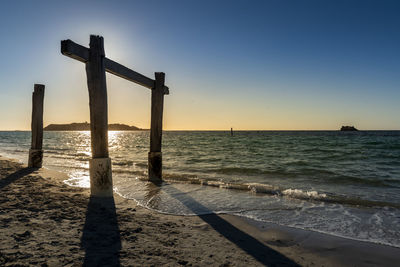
100,164
36,152
157,105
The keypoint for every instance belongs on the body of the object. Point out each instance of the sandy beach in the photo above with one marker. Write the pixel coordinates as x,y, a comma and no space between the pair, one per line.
47,223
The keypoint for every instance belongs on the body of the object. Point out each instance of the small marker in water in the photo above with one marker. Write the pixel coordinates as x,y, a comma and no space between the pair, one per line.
231,131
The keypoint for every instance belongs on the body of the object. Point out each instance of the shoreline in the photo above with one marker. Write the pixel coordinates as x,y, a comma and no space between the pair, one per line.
36,202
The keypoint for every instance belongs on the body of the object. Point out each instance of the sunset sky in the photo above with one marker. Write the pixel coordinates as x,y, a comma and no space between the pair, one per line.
256,65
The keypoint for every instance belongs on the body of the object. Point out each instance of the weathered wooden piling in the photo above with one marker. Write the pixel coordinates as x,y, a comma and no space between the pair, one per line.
157,105
100,164
36,152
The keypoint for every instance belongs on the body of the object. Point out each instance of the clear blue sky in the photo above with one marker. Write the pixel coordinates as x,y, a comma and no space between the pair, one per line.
241,64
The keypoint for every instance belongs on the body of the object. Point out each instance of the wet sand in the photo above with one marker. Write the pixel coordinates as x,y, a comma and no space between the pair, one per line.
45,222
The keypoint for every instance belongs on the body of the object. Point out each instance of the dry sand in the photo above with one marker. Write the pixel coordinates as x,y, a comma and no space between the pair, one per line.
45,222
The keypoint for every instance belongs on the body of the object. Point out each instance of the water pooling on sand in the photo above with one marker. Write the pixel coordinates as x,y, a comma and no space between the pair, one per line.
345,184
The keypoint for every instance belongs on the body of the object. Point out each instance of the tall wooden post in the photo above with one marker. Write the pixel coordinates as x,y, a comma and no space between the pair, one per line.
100,164
36,152
157,105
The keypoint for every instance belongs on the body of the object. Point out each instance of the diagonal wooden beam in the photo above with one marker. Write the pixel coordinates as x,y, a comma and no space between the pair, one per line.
128,74
81,53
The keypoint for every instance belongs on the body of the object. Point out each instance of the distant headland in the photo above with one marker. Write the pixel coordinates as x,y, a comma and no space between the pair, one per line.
348,128
84,126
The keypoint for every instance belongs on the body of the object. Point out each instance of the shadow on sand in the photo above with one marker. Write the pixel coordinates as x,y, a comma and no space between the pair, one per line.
102,243
262,253
15,176
101,238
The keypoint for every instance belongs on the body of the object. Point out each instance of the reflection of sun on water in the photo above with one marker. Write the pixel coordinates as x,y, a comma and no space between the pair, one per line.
80,143
80,175
114,138
83,144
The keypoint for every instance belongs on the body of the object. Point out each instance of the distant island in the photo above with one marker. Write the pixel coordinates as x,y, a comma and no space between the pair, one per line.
348,128
84,126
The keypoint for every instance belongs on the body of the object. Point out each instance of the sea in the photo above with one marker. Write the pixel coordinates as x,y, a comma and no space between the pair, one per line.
345,184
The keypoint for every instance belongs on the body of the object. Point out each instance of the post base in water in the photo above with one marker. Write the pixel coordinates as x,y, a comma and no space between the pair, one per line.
155,167
100,177
35,158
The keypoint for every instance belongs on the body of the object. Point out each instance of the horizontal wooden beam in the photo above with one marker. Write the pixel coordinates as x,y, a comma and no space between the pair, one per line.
81,53
75,51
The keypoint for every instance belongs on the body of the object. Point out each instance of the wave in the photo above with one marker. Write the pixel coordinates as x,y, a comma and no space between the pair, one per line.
235,170
293,193
19,150
123,163
82,154
255,188
351,180
376,240
330,176
297,193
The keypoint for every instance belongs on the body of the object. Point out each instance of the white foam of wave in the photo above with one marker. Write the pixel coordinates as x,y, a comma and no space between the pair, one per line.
78,179
375,239
297,193
261,188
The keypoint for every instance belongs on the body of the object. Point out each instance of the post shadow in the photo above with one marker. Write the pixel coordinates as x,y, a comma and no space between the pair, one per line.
262,253
101,238
15,176
152,197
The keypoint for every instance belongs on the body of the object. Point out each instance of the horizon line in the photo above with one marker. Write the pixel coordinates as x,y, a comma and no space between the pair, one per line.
208,130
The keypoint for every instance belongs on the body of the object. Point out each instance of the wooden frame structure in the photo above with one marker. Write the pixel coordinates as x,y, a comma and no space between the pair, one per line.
96,66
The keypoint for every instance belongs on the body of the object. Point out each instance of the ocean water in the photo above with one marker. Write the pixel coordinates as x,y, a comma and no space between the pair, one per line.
341,183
